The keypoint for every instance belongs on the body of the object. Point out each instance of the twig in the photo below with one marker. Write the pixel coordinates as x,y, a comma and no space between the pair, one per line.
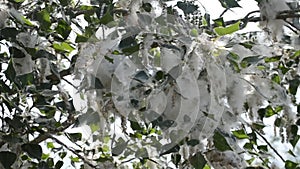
65,125
74,152
269,144
40,138
224,12
285,15
75,87
290,11
291,26
256,89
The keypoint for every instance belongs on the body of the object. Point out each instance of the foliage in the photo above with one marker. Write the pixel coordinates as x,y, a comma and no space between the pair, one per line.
146,84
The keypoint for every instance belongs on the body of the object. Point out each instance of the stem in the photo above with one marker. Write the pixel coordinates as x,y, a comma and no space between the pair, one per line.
269,144
283,15
74,152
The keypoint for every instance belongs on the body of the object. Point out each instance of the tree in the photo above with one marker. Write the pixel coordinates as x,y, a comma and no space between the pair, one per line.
148,84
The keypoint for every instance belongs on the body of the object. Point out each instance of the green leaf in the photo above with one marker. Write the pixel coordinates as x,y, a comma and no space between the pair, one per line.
176,159
229,3
292,153
15,52
296,54
62,155
105,148
263,148
147,7
81,38
220,142
65,2
233,56
206,167
253,138
295,137
141,153
102,159
272,59
159,75
219,22
24,157
25,79
278,122
74,137
50,145
198,161
16,1
250,161
43,17
10,72
240,134
63,28
131,50
15,122
128,42
248,146
20,18
169,148
11,139
269,111
47,110
187,7
74,159
282,67
290,164
33,150
63,47
87,8
194,32
50,163
8,33
135,125
221,31
293,85
44,54
7,159
193,142
247,45
59,164
27,21
94,127
235,65
4,88
111,60
247,61
276,78
206,20
107,18
45,156
121,145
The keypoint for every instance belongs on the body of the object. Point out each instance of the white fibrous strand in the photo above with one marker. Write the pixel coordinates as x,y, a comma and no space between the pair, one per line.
3,16
269,10
188,82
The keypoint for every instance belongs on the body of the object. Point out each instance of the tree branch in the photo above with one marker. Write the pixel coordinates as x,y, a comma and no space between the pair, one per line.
74,152
269,144
283,15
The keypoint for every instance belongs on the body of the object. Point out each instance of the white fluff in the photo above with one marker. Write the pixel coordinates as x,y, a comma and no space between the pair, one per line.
270,9
3,17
